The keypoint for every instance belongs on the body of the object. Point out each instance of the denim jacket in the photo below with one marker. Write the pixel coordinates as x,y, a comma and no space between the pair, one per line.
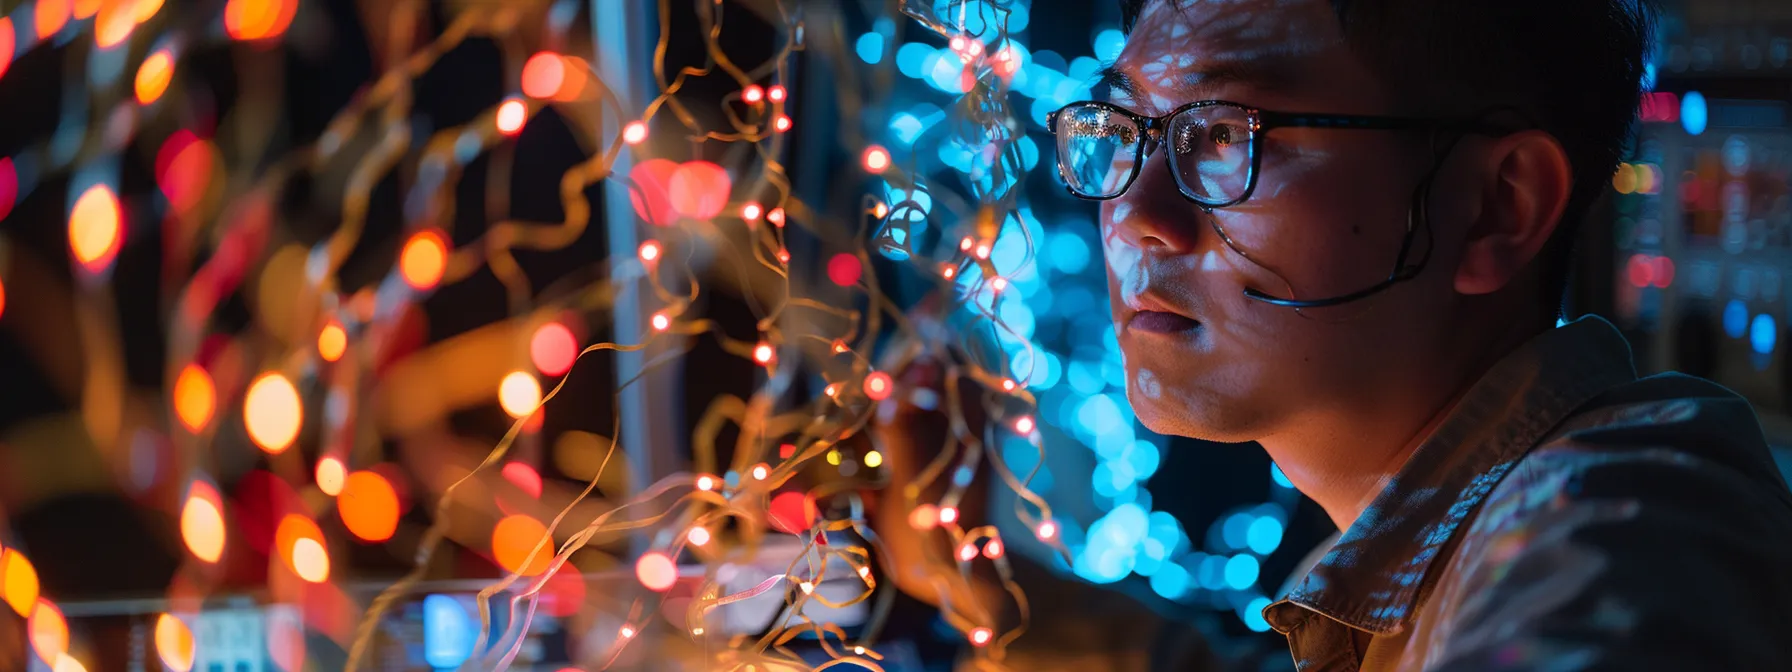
1566,515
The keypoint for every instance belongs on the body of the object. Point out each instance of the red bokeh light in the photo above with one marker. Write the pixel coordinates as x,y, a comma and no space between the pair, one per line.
651,197
1640,270
1664,272
699,189
9,184
792,512
553,349
543,75
844,269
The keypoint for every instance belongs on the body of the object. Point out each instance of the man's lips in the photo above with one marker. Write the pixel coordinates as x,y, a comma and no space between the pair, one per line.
1160,322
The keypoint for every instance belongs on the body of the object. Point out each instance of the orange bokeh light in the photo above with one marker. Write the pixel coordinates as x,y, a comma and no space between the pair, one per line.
8,41
174,643
332,341
511,115
544,74
49,631
512,540
878,385
650,195
553,348
85,9
258,19
519,394
657,571
300,544
368,506
144,10
153,76
202,522
51,16
424,259
272,412
330,475
93,227
699,189
18,582
114,24
194,398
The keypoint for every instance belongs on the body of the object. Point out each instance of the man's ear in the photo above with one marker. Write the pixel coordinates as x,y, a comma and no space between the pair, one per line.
1526,182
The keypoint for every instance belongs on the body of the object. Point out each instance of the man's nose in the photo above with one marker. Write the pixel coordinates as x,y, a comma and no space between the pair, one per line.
1152,213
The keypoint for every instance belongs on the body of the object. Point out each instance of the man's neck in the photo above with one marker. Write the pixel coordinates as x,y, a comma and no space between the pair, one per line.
1342,460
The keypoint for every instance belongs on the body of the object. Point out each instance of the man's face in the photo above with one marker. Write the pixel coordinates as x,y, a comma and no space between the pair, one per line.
1327,218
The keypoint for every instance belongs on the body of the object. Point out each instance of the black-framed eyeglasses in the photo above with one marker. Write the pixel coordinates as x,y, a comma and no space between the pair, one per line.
1216,146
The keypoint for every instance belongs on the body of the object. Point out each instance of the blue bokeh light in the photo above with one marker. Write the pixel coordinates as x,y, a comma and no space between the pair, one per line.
1694,113
1735,318
1108,44
1281,479
1762,334
448,632
1235,530
1252,614
1171,581
1068,252
1241,572
1264,535
870,48
911,59
906,127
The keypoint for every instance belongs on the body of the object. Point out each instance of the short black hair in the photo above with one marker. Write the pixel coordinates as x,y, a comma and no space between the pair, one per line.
1573,67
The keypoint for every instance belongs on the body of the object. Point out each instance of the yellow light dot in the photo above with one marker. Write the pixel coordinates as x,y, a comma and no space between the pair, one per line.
93,227
272,412
194,398
310,561
368,506
174,643
752,94
627,632
202,524
153,76
877,159
832,389
330,475
874,459
519,394
49,630
424,259
634,132
512,540
834,457
67,663
18,582
880,210
775,216
332,341
998,283
1624,181
982,252
948,514
258,19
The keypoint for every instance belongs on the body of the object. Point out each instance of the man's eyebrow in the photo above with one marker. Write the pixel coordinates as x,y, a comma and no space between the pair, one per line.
1266,73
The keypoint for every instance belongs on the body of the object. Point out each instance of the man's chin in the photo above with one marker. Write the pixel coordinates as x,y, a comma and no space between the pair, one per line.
1170,417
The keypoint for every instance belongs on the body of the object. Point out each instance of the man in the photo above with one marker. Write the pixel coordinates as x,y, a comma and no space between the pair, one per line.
1357,263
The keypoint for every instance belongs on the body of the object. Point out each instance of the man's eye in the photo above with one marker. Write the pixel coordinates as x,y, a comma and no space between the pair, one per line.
1223,135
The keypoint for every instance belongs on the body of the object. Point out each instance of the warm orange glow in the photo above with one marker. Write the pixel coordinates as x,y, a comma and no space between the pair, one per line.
51,16
144,10
1008,384
67,663
656,571
18,582
760,472
202,523
924,517
114,24
775,216
998,283
706,482
93,227
967,552
174,643
699,189
512,540
272,413
369,506
153,76
880,210
331,476
877,159
424,258
661,322
511,115
634,132
299,542
650,251
981,636
332,341
258,19
783,256
8,41
519,394
49,631
782,123
763,353
698,536
751,211
948,514
752,94
85,9
544,74
878,385
839,346
194,398
993,549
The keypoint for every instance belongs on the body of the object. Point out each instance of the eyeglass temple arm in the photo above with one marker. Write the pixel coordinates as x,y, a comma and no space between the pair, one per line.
1270,120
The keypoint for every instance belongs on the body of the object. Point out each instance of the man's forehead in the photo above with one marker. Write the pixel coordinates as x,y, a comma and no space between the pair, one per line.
1176,46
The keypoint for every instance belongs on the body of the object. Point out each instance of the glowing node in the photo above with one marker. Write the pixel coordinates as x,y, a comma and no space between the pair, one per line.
706,482
807,587
153,76
782,123
697,536
368,506
331,475
948,271
18,582
763,353
93,227
981,636
924,517
544,74
649,251
760,472
1047,530
626,632
513,539
874,459
272,413
957,43
424,259
982,251
948,514
656,571
777,93
751,211
49,630
858,650
833,389
634,132
753,94
519,394
880,210
998,283
876,159
1024,424
697,631
839,346
174,643
332,341
776,217
194,398
661,322
864,572
878,386
553,348
511,115
965,243
967,552
993,549
1008,384
202,523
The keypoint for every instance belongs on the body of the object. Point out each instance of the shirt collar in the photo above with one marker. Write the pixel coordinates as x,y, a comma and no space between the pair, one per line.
1371,578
